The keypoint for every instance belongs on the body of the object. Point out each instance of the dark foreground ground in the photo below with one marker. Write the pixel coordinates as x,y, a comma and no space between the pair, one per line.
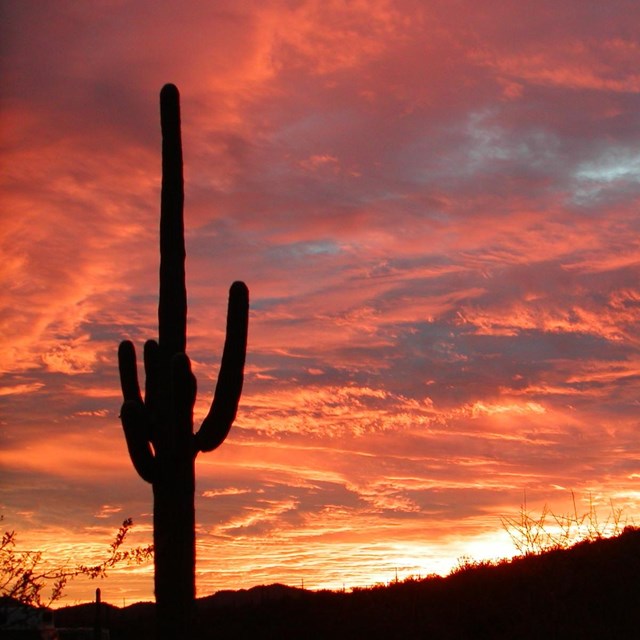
589,591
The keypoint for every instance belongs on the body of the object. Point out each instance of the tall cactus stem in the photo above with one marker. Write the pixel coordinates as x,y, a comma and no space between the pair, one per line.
159,427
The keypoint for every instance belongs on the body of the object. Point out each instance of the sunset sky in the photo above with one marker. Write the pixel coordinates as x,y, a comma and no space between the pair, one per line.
435,205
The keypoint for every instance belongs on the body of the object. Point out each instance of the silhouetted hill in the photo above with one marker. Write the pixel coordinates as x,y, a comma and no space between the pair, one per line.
589,591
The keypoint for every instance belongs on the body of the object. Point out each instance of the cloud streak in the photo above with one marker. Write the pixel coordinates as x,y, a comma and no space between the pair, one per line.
436,209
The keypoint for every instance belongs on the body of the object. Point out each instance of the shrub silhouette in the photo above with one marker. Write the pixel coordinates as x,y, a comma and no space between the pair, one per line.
159,428
25,575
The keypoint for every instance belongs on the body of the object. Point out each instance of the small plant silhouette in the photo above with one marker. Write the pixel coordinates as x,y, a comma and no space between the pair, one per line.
535,534
25,576
159,428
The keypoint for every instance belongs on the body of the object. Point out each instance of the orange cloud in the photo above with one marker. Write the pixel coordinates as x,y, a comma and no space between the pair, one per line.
436,213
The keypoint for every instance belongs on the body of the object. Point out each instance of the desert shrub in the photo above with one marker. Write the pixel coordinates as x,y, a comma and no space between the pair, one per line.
25,576
546,531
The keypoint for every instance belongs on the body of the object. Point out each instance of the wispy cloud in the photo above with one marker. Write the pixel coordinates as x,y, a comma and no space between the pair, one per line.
435,208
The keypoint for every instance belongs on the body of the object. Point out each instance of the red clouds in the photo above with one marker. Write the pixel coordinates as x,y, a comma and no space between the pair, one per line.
435,207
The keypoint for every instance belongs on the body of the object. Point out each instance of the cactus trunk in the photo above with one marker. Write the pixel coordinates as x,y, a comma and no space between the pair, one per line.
174,549
159,429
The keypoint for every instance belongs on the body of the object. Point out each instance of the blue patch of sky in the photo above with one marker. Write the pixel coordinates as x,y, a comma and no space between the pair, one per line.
603,177
304,249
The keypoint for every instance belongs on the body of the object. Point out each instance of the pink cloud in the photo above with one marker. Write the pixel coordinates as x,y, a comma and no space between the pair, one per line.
435,209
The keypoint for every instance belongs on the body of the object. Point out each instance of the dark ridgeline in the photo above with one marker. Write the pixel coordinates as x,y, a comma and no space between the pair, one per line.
590,591
159,429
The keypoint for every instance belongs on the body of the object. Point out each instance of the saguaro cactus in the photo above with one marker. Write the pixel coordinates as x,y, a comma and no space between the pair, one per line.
159,428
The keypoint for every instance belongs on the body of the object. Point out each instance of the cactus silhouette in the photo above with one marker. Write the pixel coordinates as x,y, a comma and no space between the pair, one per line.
159,428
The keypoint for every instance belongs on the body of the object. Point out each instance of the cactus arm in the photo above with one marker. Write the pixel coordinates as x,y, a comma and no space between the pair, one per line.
134,416
224,407
183,384
151,384
135,425
172,309
128,372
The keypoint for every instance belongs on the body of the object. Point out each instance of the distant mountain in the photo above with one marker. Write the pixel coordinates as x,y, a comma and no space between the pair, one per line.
591,590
